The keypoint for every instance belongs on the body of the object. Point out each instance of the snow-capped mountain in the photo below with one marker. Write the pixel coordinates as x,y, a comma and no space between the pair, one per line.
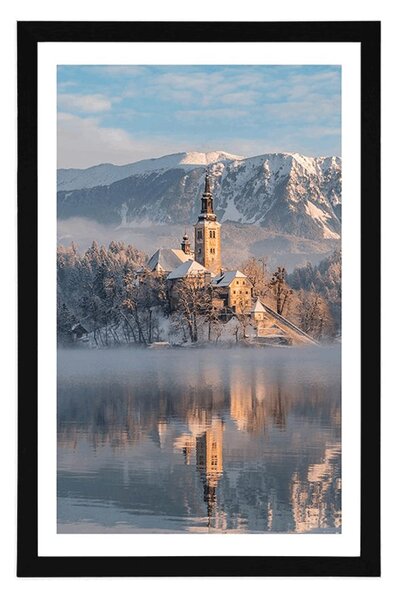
283,192
105,174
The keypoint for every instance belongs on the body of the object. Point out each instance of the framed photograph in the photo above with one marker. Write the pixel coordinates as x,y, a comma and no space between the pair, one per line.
199,318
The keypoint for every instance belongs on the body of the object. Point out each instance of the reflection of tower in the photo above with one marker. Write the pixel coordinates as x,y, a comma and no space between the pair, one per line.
209,458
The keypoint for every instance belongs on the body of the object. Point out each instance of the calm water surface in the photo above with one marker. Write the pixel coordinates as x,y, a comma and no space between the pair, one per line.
199,441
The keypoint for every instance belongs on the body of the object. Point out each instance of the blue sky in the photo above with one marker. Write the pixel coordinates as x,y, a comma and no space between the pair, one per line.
121,114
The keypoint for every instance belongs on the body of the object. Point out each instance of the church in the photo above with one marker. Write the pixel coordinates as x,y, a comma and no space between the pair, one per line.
232,290
204,264
207,246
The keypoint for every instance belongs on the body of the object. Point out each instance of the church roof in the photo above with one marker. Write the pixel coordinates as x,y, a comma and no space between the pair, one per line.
227,278
290,328
188,268
258,307
167,259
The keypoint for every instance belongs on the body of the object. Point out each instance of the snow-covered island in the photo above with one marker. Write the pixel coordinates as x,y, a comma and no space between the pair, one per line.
186,296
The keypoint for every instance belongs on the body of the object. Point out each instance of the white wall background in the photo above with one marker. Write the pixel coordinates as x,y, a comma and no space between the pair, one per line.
180,10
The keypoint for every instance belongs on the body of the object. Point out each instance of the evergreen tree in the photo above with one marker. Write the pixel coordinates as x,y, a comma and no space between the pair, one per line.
65,322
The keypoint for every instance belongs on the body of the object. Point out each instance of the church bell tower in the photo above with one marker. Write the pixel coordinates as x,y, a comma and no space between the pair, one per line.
207,233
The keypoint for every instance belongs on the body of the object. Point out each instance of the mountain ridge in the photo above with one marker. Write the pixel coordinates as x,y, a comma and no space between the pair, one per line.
284,192
106,173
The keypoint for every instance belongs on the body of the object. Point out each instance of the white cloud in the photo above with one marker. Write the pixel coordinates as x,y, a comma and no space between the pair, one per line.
83,142
313,109
246,98
205,89
116,70
92,103
210,113
63,85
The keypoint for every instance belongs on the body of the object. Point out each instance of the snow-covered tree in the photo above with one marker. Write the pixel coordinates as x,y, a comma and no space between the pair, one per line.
325,279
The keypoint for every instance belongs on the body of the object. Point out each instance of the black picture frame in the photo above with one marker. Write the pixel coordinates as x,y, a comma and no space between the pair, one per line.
30,34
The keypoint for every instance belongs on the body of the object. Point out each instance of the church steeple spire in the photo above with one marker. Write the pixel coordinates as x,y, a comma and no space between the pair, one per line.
207,183
207,198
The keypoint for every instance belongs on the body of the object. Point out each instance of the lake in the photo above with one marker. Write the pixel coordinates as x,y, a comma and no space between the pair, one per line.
199,440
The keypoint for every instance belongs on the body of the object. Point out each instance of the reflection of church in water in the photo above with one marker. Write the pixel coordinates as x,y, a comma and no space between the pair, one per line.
222,485
206,438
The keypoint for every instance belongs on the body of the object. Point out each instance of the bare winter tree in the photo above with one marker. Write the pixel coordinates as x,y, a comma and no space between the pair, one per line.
236,329
178,327
244,319
281,290
315,315
193,302
256,271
